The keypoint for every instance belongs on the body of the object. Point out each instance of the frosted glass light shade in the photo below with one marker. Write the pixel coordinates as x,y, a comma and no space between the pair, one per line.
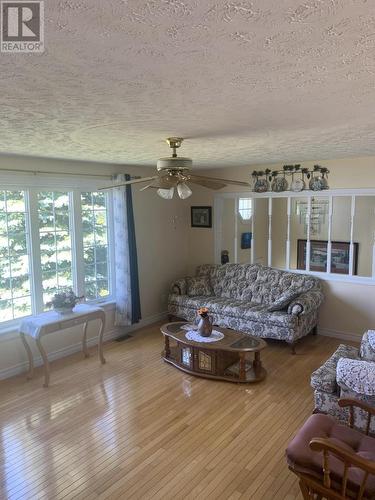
183,190
167,194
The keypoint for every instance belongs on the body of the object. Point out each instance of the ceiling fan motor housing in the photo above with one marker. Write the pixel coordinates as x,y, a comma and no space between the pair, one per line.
178,163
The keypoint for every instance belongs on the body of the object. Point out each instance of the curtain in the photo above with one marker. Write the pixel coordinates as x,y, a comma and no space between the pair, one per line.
128,307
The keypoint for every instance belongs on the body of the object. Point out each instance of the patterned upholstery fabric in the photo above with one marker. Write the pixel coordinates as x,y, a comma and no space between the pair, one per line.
356,375
284,300
242,293
339,376
324,378
199,286
367,349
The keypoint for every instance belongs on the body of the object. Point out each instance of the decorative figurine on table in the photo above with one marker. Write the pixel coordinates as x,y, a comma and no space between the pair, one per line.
204,322
224,256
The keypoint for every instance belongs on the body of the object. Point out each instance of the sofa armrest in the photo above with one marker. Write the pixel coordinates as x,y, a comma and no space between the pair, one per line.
357,375
179,287
306,302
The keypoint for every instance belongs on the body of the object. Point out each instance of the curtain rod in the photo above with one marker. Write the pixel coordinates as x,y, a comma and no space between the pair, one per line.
38,172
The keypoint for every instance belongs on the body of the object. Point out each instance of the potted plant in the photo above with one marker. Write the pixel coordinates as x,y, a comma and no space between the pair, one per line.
64,302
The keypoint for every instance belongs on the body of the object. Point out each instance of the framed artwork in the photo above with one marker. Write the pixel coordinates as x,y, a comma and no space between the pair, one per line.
318,256
201,216
246,240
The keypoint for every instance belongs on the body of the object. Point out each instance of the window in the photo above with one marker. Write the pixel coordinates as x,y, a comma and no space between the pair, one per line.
15,295
55,242
95,245
50,241
245,208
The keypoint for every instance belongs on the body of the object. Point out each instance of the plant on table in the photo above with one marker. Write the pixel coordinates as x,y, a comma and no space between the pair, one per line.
64,301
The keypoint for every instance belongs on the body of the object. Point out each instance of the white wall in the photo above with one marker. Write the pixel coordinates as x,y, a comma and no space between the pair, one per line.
161,231
348,308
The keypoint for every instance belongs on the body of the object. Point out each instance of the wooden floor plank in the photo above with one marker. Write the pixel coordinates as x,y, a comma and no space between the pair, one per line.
138,428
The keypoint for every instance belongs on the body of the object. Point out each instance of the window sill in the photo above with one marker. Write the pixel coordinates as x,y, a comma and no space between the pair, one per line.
10,332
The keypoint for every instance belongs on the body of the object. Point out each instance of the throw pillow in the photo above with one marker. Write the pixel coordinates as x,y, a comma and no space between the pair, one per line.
284,300
199,286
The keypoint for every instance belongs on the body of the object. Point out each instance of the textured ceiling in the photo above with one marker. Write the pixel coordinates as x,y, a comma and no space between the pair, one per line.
246,81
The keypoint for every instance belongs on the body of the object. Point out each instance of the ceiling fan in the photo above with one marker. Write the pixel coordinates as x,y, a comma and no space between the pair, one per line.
174,174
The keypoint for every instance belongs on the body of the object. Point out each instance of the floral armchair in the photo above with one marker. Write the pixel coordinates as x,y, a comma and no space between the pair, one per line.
349,373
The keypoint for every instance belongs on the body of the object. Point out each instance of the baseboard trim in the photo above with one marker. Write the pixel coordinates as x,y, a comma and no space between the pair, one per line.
73,348
337,334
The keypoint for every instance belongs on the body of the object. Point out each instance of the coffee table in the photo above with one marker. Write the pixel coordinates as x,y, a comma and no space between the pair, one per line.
225,359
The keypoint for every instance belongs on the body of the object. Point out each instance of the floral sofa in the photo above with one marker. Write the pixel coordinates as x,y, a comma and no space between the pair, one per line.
348,373
255,299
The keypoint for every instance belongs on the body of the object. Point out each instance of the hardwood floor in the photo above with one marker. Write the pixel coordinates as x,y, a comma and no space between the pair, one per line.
139,428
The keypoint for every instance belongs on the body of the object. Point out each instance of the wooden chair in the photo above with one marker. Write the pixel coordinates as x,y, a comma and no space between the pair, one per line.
334,461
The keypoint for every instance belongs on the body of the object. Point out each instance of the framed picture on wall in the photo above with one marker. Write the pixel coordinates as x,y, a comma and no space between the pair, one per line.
201,216
318,256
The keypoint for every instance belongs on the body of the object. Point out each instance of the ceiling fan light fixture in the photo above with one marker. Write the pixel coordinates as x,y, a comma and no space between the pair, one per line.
166,194
183,190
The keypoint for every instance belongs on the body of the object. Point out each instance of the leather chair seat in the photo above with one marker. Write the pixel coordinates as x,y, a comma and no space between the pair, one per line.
302,459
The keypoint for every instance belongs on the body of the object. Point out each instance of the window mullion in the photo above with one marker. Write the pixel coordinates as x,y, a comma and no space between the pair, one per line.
111,244
35,259
77,240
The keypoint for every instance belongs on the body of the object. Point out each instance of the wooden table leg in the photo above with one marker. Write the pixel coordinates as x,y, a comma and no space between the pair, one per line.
167,350
84,341
257,364
45,362
242,370
29,356
101,333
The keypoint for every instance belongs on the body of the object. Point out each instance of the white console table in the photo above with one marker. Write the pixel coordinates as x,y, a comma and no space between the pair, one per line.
52,322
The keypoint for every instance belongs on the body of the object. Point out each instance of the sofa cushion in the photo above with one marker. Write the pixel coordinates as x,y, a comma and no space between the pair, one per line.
302,459
199,285
233,308
324,378
357,375
284,300
367,349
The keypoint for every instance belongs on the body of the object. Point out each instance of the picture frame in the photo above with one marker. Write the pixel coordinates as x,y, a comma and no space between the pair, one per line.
201,217
340,253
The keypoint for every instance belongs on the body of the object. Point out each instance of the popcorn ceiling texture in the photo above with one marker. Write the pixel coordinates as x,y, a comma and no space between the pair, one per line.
248,82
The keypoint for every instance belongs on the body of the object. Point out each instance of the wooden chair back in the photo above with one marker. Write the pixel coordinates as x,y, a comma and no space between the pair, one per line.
312,488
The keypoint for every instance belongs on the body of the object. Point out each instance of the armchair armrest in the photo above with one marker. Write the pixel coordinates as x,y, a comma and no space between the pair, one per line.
357,375
179,287
347,457
306,302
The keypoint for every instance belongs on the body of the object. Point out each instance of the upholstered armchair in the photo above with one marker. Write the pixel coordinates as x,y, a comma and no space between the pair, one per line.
348,373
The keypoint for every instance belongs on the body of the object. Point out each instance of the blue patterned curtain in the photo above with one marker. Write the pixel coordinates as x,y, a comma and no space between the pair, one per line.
128,307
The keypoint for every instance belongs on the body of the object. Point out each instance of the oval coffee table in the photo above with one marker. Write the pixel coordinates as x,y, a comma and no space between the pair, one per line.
225,359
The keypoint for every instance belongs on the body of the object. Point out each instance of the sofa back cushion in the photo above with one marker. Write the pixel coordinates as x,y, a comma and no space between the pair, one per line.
254,282
199,285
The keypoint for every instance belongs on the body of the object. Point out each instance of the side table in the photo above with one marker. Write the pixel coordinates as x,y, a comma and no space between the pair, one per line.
52,322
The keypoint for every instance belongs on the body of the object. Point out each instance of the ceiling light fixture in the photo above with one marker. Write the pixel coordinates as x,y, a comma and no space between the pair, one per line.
183,190
166,194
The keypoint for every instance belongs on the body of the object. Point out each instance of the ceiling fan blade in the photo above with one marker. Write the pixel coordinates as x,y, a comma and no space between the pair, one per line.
210,184
165,182
126,183
223,181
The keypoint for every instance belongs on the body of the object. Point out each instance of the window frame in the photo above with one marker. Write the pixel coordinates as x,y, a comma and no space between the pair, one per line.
31,185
